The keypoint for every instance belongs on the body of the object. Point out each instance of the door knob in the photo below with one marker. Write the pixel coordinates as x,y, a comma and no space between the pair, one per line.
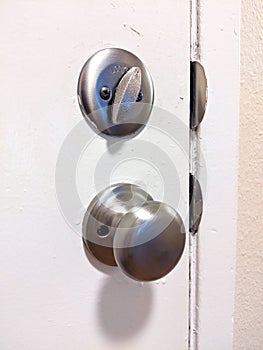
115,92
123,226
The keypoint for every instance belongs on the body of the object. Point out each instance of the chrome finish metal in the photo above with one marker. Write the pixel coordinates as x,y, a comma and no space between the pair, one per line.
127,92
106,210
127,78
149,241
198,94
196,204
124,226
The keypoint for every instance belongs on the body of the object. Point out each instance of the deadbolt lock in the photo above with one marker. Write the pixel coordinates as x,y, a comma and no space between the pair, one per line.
115,92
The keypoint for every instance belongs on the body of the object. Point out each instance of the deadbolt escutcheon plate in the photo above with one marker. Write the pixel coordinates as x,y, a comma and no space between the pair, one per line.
105,69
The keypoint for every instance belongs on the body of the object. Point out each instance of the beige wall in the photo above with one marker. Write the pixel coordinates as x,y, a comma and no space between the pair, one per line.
248,332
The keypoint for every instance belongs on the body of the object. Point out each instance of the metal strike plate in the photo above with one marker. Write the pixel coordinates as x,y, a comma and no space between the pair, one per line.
195,204
198,94
115,92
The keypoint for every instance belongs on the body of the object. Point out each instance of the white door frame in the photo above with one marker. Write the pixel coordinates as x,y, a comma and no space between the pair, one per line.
217,25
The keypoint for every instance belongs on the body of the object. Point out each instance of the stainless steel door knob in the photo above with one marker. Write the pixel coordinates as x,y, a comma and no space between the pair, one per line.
124,226
115,92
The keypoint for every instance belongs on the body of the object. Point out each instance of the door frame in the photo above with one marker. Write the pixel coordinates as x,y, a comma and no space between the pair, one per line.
215,43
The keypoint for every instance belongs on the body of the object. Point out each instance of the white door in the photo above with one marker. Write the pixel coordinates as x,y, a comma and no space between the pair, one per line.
52,295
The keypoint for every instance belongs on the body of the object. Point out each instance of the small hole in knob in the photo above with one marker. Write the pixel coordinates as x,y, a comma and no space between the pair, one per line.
103,231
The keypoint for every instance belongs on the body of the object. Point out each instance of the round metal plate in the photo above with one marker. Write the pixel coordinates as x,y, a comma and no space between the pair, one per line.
105,69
